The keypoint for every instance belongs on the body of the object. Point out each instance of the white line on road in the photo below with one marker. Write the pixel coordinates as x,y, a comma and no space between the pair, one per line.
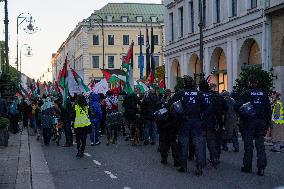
125,187
111,175
97,162
87,154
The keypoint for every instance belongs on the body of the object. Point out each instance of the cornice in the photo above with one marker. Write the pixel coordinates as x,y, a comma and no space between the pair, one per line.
195,43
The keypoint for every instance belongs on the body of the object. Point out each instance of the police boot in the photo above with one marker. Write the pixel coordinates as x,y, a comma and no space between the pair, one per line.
182,169
198,170
260,172
246,169
164,161
78,153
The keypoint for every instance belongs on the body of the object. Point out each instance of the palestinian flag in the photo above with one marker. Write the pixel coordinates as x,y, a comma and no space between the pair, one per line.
79,80
63,83
128,62
114,75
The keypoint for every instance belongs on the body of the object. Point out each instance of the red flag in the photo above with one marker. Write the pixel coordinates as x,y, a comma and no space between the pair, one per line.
56,88
106,74
129,55
162,84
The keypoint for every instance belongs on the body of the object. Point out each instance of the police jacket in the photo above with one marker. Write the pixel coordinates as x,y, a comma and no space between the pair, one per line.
260,101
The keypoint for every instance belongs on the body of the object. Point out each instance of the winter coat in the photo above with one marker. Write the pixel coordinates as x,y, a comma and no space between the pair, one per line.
47,117
130,105
230,117
96,107
149,106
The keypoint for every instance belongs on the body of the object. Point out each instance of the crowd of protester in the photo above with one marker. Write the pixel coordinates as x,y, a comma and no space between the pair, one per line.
184,122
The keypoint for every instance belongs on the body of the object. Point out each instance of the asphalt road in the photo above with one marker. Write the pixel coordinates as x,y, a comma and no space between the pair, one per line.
126,167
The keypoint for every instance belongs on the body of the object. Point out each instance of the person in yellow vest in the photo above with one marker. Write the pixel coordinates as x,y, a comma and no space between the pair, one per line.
277,133
81,124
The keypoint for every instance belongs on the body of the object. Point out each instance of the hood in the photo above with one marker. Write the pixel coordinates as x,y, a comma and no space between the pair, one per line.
95,98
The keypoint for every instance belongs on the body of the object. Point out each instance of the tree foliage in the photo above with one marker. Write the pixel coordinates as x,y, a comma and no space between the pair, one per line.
265,79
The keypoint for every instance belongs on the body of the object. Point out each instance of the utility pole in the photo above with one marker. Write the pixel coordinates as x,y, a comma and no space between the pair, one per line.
6,22
201,24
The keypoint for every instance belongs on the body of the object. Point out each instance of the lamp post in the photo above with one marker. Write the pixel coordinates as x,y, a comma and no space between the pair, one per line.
28,54
201,24
30,29
103,35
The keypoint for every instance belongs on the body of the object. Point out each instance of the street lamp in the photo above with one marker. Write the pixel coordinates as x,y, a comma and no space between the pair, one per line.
103,35
27,54
30,29
201,24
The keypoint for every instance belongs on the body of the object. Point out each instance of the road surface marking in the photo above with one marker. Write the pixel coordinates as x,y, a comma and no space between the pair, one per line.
125,187
87,154
111,175
97,162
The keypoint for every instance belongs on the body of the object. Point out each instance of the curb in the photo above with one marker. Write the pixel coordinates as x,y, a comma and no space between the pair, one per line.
32,170
23,178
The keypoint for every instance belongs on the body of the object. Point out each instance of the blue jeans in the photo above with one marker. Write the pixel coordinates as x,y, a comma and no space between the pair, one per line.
192,128
94,135
33,123
150,130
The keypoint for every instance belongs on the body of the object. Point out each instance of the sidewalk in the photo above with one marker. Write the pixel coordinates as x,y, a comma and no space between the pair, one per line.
9,158
23,165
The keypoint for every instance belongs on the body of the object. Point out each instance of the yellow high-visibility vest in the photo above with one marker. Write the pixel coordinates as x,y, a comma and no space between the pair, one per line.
81,119
278,117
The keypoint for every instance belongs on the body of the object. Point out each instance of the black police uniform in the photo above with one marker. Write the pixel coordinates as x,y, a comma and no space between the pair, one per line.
209,119
254,128
191,126
168,131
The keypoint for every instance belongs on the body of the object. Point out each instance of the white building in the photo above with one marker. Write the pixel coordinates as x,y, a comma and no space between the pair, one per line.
236,32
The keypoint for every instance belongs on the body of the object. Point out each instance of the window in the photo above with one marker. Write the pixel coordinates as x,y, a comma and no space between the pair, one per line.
157,61
142,39
217,11
124,19
139,61
110,61
125,39
110,39
234,7
181,20
96,61
154,19
96,40
191,17
109,18
172,25
139,19
253,4
156,39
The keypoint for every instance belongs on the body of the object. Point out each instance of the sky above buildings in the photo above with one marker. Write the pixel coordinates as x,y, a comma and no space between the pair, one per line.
56,19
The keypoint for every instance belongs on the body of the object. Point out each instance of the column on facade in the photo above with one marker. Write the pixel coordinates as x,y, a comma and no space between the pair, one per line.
229,60
183,65
235,60
176,24
229,3
206,62
168,72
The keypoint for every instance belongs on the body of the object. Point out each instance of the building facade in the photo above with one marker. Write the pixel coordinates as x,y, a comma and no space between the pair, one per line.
122,23
236,33
275,14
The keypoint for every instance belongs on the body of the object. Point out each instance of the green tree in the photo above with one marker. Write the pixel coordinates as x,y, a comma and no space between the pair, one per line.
265,79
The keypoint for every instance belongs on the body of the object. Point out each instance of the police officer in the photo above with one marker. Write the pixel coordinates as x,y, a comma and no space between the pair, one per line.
254,126
209,119
191,126
168,131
